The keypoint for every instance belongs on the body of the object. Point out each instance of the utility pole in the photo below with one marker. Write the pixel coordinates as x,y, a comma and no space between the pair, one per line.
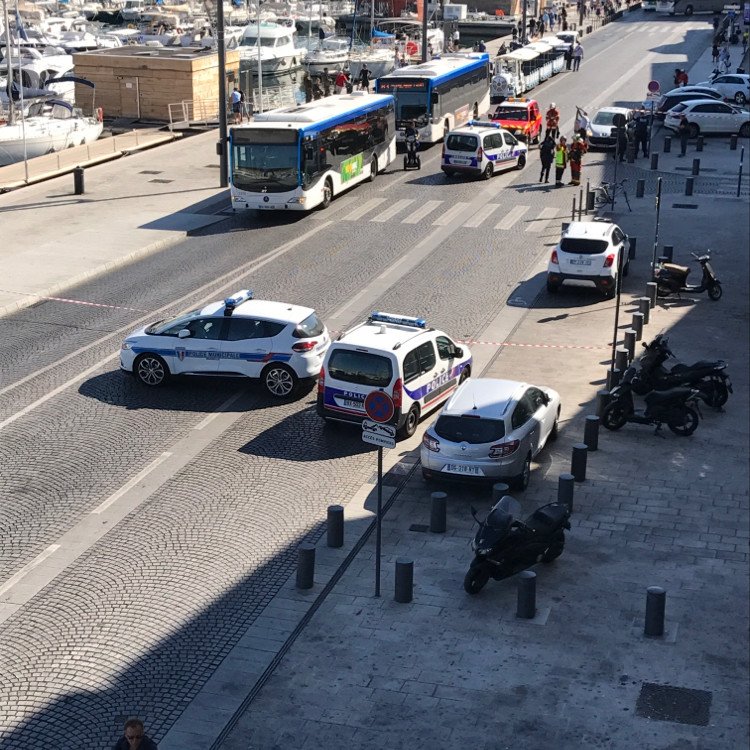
424,29
9,62
522,35
223,139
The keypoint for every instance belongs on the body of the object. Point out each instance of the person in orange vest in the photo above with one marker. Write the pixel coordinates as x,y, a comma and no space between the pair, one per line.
575,155
553,121
561,161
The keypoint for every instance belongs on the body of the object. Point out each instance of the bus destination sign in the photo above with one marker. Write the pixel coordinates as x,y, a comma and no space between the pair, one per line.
392,84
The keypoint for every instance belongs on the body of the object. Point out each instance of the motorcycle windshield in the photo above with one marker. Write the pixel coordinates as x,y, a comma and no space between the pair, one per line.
502,514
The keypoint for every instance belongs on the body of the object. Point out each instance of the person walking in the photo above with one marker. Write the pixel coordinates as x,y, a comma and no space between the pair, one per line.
547,156
715,54
553,120
577,56
307,85
641,133
683,130
364,78
725,59
568,57
134,737
236,101
326,82
339,85
575,155
482,46
561,161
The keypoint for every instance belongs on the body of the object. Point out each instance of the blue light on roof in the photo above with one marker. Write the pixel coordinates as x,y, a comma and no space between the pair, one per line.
483,124
239,297
401,320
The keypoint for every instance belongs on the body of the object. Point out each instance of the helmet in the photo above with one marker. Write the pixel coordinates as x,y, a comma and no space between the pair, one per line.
553,106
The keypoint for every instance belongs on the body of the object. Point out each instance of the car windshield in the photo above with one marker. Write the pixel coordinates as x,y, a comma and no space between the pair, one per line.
265,160
517,115
171,326
679,108
461,142
363,368
604,118
468,429
583,246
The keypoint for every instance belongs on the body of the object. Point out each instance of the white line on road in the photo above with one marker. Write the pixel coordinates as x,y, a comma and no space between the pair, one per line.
224,407
481,215
366,207
113,498
449,215
389,213
540,223
420,213
511,217
38,560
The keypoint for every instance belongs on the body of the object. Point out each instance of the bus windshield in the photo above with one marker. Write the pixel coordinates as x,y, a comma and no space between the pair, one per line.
265,160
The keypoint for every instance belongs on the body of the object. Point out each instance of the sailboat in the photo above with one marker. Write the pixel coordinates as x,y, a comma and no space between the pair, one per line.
380,56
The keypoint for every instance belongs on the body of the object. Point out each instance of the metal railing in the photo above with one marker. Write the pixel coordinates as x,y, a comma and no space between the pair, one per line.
191,112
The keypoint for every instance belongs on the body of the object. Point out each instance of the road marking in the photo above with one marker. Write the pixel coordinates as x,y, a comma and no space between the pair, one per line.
420,213
21,573
539,224
224,407
367,206
481,215
511,217
131,483
227,280
389,213
449,215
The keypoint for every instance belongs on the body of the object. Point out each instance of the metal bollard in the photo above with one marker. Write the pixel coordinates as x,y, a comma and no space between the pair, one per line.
305,565
654,160
668,252
733,143
526,604
689,184
613,378
699,143
591,200
437,512
644,308
78,186
565,490
630,154
404,588
602,399
637,325
633,245
335,522
656,601
667,144
578,462
630,343
591,432
499,490
651,293
696,167
640,188
621,358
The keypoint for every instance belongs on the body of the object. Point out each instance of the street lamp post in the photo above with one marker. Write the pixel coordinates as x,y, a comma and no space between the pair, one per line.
223,137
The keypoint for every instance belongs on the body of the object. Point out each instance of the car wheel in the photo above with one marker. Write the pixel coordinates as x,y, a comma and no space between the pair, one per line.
279,380
745,130
610,292
555,549
626,268
465,373
404,163
521,482
521,161
151,370
475,580
410,425
449,173
373,169
327,194
555,431
552,288
740,98
488,170
694,130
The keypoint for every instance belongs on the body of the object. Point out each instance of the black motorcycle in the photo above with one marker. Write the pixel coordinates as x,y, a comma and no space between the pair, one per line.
707,376
505,545
672,279
673,407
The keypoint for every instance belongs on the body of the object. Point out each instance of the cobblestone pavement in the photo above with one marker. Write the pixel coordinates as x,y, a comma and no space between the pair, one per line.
137,621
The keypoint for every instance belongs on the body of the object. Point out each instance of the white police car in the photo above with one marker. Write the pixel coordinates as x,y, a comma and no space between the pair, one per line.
418,367
481,149
277,342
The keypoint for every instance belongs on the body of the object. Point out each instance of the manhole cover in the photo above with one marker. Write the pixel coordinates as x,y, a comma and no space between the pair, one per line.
421,527
669,703
684,205
162,182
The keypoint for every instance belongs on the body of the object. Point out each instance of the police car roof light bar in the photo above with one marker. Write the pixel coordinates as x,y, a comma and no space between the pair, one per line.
239,297
401,320
483,124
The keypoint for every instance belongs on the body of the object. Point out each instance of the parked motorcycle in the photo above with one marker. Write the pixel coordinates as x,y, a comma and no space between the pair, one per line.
504,545
673,407
707,376
672,279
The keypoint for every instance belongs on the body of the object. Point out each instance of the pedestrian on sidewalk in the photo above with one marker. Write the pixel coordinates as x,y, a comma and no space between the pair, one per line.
621,143
482,46
683,130
134,737
561,161
641,133
553,121
577,56
532,26
715,54
236,100
339,85
364,78
582,124
547,156
725,59
568,57
575,156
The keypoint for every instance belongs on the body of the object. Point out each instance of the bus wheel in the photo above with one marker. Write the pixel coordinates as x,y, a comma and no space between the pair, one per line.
373,169
327,194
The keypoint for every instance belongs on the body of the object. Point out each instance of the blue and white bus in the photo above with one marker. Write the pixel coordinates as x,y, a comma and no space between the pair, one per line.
440,94
297,158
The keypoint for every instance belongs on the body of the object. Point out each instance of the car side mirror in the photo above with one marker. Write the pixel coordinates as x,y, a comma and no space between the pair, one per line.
183,334
458,352
545,399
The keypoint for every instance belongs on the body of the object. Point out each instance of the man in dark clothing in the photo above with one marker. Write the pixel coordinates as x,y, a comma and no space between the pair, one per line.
364,78
684,132
641,134
547,156
134,738
621,146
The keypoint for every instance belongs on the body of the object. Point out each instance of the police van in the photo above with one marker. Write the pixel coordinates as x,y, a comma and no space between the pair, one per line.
417,366
481,149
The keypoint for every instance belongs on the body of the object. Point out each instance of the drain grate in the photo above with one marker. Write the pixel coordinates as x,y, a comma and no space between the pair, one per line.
421,527
678,704
684,205
212,166
162,182
150,171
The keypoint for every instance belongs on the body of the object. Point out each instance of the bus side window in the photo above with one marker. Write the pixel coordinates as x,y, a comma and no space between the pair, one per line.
314,160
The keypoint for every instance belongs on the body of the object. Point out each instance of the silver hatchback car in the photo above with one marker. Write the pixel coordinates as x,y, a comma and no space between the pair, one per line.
490,429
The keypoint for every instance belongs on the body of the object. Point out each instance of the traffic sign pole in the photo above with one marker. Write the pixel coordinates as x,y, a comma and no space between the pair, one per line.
379,522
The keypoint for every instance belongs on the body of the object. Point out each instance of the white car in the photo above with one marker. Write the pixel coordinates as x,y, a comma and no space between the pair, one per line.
480,149
589,254
277,342
602,126
732,86
709,117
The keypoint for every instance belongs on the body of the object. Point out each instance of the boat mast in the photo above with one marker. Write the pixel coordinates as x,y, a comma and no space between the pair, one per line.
9,63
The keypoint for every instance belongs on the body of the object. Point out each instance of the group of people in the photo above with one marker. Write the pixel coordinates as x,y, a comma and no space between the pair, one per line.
319,86
555,149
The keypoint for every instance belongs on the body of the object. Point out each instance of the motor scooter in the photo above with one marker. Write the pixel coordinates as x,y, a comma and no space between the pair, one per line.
411,159
672,279
707,376
673,407
504,545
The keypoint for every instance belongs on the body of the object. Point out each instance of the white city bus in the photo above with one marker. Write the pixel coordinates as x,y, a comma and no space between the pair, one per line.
440,94
688,7
297,158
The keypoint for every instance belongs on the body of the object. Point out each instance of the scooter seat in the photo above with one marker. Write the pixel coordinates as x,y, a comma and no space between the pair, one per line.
674,268
549,515
656,397
702,364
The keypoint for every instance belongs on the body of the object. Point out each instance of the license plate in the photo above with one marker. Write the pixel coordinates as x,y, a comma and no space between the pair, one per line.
580,262
351,404
459,469
459,160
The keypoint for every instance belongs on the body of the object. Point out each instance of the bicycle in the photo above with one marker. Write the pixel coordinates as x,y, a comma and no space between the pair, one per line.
608,191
